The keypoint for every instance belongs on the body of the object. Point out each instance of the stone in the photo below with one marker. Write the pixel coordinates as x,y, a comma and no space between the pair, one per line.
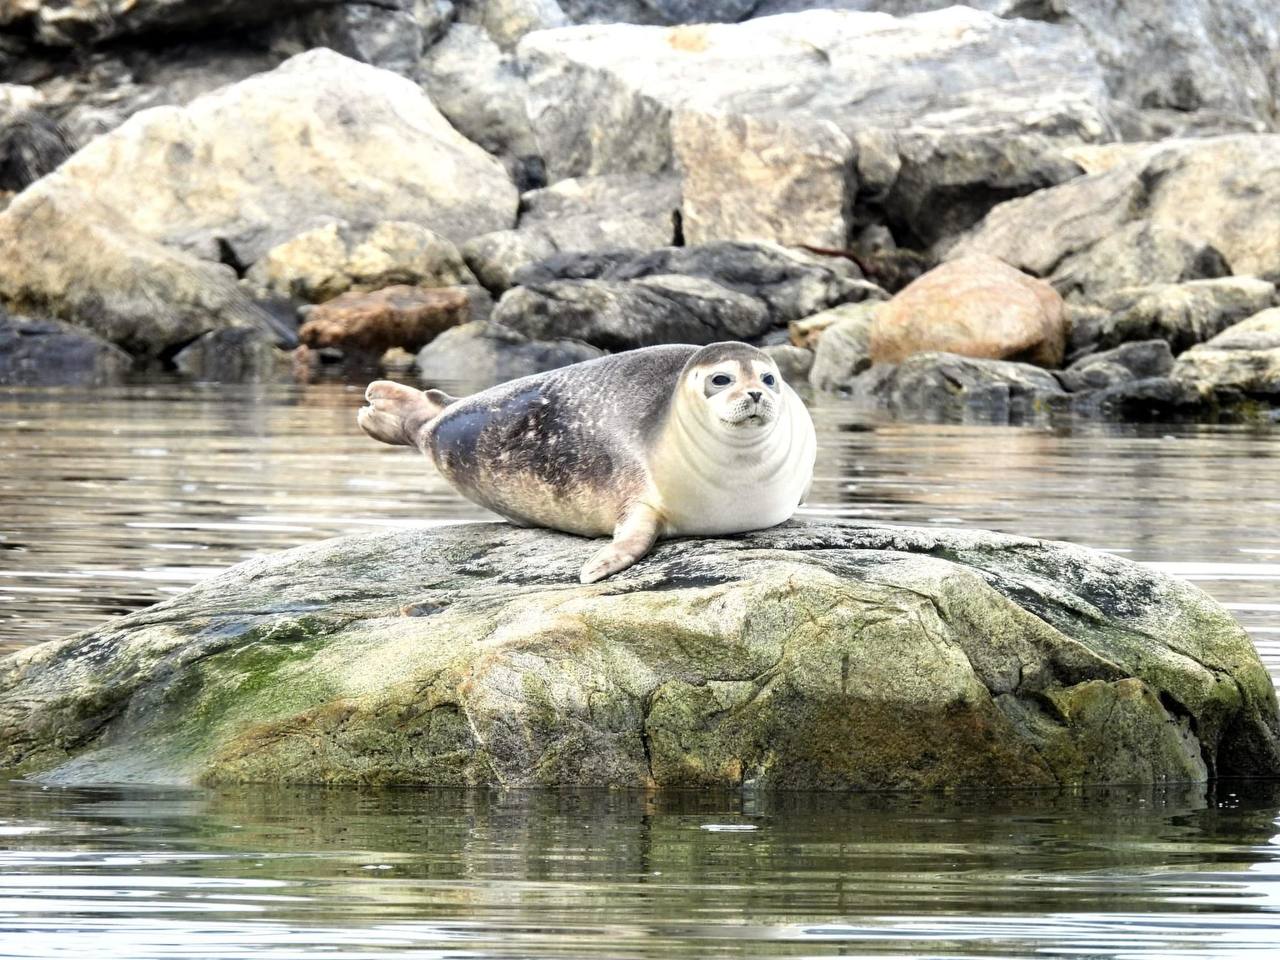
843,349
1244,358
32,142
1219,191
810,656
976,306
1140,360
947,114
1137,254
323,263
792,180
617,315
479,89
667,12
1153,398
397,316
791,283
482,354
1183,314
392,36
46,353
946,386
496,258
140,220
794,363
233,355
506,21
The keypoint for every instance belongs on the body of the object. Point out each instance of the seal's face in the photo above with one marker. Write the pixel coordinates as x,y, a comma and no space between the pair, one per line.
742,393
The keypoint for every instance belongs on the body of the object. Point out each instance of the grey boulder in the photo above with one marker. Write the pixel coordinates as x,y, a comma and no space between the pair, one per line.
480,355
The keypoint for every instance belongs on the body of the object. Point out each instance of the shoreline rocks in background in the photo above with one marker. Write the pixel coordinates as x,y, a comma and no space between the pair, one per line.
1244,358
970,659
976,306
483,354
47,353
370,323
843,349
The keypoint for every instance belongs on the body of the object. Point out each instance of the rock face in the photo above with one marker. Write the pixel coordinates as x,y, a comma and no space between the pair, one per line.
843,350
785,124
47,353
807,657
137,221
483,354
398,316
1141,360
1219,192
1245,358
975,306
1182,314
323,263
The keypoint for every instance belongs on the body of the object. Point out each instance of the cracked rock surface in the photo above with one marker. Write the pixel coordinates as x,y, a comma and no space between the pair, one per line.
810,656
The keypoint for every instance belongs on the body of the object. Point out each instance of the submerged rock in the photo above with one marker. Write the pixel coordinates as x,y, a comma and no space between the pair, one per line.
830,657
37,352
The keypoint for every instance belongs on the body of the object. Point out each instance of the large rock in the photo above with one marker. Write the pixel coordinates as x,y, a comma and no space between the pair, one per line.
976,306
481,355
138,221
791,284
1183,314
506,21
784,125
843,350
584,214
1244,358
1141,360
323,263
392,35
36,352
829,657
1137,254
397,316
946,386
1221,193
478,87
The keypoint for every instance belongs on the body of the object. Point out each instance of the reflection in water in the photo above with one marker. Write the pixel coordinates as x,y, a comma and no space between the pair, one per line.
281,872
112,500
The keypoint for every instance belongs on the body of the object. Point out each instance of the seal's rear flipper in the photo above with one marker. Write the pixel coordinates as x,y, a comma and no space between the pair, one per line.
396,414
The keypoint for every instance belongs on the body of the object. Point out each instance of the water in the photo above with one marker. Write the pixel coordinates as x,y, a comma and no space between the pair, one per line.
112,500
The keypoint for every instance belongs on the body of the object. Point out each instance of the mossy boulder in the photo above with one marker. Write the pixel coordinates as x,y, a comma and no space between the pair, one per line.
809,656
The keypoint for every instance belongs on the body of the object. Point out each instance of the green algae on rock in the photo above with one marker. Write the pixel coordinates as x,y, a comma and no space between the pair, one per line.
810,656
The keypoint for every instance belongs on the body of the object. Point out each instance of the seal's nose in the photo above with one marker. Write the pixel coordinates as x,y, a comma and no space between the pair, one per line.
755,395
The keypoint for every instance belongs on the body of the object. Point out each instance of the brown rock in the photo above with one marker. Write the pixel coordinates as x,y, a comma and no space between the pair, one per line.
975,306
399,316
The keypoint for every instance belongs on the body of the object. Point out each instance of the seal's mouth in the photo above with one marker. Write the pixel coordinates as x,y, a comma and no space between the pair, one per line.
751,420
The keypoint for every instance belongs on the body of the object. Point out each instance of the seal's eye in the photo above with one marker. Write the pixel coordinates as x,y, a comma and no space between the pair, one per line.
721,380
768,380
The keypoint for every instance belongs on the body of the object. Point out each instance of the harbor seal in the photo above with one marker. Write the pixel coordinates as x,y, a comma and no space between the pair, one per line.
663,441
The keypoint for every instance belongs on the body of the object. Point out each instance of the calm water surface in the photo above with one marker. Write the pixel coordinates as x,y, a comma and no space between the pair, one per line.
112,500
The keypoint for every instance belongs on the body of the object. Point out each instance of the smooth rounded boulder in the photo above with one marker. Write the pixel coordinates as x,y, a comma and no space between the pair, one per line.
809,656
974,306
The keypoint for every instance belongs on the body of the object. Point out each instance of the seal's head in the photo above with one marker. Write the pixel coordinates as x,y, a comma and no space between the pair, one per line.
738,385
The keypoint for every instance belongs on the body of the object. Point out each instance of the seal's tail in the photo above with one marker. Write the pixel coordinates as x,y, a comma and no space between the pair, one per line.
396,414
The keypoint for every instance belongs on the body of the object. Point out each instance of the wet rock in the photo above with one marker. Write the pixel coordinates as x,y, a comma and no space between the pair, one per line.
128,237
617,315
1244,358
1182,314
1154,398
483,354
585,214
794,363
506,21
323,263
1142,360
814,656
949,386
398,316
234,355
36,352
976,306
478,88
1220,192
1137,254
843,349
791,284
979,109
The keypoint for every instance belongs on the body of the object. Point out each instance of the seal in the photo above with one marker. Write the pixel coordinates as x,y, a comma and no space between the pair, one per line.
663,441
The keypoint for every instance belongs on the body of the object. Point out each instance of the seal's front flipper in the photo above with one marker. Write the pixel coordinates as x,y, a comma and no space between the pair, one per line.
396,414
632,538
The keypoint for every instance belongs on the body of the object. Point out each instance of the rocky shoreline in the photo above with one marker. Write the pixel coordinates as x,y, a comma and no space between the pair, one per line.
809,656
997,210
